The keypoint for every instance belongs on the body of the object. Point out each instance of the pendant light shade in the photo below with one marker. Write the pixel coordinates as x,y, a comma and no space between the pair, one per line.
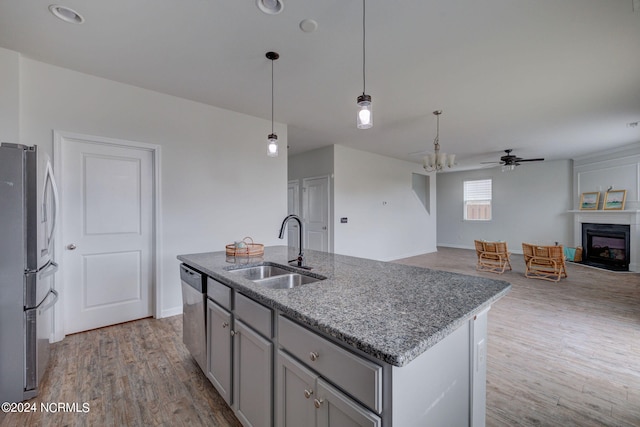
364,119
272,146
272,139
365,115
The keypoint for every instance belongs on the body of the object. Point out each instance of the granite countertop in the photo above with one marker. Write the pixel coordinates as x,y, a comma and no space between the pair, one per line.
390,311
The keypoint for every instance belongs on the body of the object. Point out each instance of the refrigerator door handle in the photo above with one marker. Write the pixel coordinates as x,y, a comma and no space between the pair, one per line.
50,182
46,307
49,269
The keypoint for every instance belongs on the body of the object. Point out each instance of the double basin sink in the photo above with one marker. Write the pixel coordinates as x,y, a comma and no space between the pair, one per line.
275,276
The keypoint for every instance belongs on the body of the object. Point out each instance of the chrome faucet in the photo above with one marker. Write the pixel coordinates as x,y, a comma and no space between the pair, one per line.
300,259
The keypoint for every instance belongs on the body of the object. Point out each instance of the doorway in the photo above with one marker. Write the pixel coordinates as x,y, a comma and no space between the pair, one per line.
315,212
293,207
108,242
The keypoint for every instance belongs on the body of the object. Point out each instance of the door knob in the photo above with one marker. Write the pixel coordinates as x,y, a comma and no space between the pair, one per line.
318,403
71,246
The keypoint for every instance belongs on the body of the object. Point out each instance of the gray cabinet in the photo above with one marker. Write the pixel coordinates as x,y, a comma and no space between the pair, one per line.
308,368
240,353
335,409
295,392
252,376
320,383
219,347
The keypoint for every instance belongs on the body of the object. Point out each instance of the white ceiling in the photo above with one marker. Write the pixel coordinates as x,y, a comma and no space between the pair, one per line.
548,78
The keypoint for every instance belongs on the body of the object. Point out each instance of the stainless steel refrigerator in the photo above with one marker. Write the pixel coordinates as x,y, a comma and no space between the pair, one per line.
28,199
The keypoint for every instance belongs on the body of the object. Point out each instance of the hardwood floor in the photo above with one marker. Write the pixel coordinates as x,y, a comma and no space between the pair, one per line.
560,354
133,374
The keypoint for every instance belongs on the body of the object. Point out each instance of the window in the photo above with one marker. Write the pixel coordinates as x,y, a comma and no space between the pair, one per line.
477,200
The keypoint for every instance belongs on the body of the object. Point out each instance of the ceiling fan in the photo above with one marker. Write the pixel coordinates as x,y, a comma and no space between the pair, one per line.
510,161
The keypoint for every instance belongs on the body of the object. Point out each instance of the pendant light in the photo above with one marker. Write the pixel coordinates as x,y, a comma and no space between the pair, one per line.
364,119
272,139
436,161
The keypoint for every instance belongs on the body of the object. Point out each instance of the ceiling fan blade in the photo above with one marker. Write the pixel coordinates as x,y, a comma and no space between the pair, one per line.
490,163
530,160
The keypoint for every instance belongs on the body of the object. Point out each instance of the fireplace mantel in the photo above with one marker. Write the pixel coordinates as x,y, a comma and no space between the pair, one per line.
626,217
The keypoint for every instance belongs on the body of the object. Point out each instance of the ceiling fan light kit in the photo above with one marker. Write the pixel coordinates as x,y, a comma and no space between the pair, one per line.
437,161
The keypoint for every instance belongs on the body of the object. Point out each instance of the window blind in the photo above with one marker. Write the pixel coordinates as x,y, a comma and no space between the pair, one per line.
479,189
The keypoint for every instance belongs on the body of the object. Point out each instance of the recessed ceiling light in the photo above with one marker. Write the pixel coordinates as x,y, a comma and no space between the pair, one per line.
270,7
66,14
308,25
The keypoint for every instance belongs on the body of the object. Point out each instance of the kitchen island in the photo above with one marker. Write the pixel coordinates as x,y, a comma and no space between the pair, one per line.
399,345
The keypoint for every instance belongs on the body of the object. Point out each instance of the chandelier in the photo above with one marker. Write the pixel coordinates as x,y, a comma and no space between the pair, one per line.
436,161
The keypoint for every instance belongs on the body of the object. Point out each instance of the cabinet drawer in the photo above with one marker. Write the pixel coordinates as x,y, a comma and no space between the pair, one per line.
357,376
219,293
254,314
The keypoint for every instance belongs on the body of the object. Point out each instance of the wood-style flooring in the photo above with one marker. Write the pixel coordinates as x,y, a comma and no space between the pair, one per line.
560,354
132,374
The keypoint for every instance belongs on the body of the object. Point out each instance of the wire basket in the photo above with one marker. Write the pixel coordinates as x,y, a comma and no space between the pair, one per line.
246,248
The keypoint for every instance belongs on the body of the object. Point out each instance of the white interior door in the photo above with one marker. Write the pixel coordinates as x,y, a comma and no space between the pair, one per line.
315,212
293,205
107,233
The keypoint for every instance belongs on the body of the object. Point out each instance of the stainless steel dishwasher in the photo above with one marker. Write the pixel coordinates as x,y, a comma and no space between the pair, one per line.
194,298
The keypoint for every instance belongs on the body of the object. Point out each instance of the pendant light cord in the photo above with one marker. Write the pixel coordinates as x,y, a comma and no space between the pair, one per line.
364,86
272,103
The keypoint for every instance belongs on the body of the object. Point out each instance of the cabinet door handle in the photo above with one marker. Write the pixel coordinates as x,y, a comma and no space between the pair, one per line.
318,403
313,356
225,324
234,333
308,393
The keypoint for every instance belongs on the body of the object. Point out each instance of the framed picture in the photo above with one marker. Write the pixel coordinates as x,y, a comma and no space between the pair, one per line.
589,201
614,200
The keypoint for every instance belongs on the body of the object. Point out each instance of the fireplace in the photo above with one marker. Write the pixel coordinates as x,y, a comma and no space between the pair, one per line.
606,246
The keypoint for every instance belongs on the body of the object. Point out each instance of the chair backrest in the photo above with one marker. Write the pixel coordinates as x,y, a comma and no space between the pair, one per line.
555,252
497,247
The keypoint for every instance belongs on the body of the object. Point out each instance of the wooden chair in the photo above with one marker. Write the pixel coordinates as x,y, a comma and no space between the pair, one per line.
492,256
544,262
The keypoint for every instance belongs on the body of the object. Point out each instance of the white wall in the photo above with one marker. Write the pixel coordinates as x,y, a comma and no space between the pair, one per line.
530,204
312,163
619,169
386,219
9,96
218,185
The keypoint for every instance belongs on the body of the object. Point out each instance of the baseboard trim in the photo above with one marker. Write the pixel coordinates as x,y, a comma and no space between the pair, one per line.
174,311
447,245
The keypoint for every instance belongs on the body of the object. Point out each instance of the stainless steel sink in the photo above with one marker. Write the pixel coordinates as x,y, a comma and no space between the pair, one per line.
275,276
260,272
286,281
